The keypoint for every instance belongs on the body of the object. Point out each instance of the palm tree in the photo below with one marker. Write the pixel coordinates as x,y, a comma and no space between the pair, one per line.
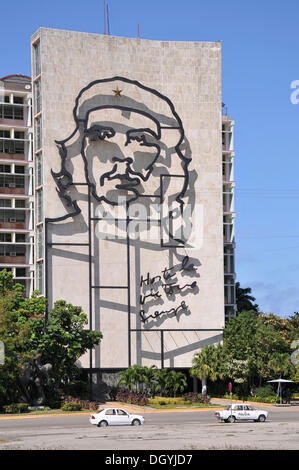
207,364
175,382
132,377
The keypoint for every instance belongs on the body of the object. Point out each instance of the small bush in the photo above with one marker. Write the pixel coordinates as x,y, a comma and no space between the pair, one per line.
196,397
85,404
71,406
16,408
133,398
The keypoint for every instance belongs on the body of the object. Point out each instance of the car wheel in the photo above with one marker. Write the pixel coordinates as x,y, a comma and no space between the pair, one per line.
231,419
261,418
102,424
136,422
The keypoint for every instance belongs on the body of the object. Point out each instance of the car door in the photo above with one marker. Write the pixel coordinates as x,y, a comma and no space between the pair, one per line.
111,416
249,412
239,412
122,417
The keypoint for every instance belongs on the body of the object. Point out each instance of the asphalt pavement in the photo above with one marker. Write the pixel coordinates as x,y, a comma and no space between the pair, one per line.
180,429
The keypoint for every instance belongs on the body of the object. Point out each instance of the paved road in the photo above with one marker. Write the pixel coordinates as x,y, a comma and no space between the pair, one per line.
165,430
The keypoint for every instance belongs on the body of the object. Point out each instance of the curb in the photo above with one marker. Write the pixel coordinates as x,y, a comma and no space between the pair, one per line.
117,405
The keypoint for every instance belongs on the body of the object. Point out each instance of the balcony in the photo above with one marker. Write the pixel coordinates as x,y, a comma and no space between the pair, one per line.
15,115
12,253
12,218
12,183
14,149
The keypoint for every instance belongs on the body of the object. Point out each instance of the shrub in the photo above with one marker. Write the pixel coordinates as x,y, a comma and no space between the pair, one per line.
125,396
264,394
85,404
196,397
71,406
16,408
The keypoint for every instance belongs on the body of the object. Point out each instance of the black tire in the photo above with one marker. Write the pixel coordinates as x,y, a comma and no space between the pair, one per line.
231,419
136,422
261,418
103,424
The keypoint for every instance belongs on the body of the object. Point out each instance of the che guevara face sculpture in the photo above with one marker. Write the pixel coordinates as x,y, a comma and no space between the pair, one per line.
128,137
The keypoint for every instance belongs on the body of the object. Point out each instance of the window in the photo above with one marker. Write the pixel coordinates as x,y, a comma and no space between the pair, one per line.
12,146
39,169
5,237
4,168
37,59
5,134
40,277
19,135
40,241
18,99
121,412
5,202
39,196
110,412
38,133
20,272
20,169
12,216
11,112
20,237
20,203
38,103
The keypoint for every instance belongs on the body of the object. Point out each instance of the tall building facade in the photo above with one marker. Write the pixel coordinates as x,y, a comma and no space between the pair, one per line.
16,179
134,192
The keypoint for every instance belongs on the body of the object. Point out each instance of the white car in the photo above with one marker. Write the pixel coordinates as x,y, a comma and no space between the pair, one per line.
115,416
240,412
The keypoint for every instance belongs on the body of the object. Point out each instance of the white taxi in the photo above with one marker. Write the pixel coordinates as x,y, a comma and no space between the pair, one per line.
115,417
240,412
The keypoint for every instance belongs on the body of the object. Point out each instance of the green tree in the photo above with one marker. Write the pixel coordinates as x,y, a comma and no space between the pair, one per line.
175,383
252,338
133,378
280,364
63,342
23,334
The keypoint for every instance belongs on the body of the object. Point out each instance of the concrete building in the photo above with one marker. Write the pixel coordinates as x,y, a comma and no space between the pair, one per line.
16,179
134,193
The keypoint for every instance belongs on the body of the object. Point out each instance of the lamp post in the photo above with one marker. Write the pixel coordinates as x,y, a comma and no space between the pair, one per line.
230,389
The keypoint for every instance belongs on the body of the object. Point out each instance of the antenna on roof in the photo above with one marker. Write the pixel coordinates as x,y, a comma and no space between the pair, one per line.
138,31
108,20
104,17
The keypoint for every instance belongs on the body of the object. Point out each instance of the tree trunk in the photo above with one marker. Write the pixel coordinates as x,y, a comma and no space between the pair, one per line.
204,386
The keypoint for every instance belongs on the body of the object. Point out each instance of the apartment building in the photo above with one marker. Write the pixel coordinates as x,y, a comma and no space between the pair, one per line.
16,180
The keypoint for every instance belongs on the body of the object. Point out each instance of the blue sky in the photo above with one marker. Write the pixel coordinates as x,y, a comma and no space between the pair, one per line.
260,41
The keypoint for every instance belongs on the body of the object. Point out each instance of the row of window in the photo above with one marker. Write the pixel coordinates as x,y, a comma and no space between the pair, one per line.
11,112
6,134
18,272
12,250
19,203
15,99
12,181
9,169
8,237
12,216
